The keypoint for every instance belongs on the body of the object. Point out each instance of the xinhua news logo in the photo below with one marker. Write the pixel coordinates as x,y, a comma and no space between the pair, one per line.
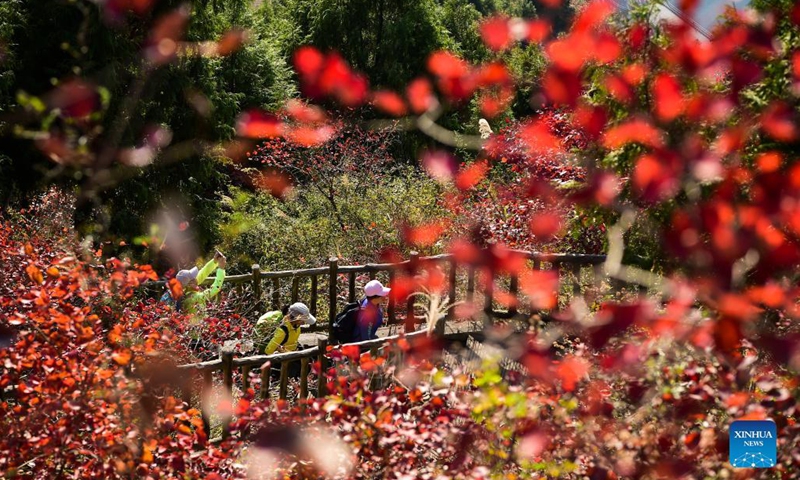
753,444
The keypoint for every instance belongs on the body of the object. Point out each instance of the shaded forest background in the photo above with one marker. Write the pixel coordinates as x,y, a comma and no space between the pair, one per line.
199,98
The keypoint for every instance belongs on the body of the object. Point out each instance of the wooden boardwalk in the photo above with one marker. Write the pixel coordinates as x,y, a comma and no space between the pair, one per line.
342,285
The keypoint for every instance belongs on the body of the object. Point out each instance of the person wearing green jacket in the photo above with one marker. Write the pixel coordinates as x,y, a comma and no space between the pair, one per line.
193,297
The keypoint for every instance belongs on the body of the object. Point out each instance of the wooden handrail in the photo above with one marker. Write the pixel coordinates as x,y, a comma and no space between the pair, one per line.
257,360
573,258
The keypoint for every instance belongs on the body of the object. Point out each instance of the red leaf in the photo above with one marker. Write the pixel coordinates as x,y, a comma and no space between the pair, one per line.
769,162
122,357
352,352
541,288
561,87
634,73
175,288
593,15
727,334
615,318
607,48
569,53
495,33
258,124
796,64
637,130
277,183
494,73
74,98
308,61
34,273
545,226
669,101
424,235
231,42
445,64
310,136
538,139
771,294
304,113
162,45
655,178
637,36
119,7
538,30
389,102
472,175
777,121
420,95
591,120
492,105
618,88
570,371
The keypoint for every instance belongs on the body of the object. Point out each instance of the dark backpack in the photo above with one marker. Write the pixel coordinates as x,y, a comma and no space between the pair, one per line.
344,325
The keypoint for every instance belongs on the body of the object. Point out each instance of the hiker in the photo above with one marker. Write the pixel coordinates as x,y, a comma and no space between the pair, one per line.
359,321
370,316
287,335
285,338
193,298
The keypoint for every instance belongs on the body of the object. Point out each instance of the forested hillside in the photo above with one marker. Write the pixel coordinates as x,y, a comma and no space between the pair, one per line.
198,97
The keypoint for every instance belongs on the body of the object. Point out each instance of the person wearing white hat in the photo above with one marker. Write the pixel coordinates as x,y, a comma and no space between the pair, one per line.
190,279
370,317
286,336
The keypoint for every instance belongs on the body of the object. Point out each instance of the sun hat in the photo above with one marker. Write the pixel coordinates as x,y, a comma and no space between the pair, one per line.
186,276
300,310
375,288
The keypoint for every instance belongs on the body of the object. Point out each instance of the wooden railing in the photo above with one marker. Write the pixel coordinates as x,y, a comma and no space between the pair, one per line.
228,365
566,264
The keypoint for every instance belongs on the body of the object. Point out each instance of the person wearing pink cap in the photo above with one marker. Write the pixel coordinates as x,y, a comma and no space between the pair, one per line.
370,317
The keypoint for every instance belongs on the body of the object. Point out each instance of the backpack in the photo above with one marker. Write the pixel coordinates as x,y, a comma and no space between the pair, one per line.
344,325
265,329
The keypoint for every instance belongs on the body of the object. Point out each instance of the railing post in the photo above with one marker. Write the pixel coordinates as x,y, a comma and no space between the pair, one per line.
392,302
303,378
284,379
245,377
471,284
265,379
332,290
295,288
374,382
488,292
313,305
186,391
451,312
322,346
204,393
256,269
227,379
410,320
514,291
351,287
